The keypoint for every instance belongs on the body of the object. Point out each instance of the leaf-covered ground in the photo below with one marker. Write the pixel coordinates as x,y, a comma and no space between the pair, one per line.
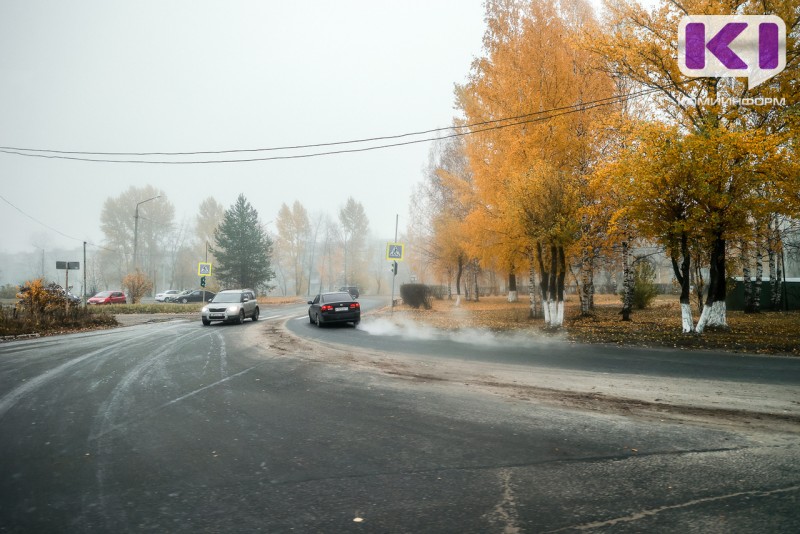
657,326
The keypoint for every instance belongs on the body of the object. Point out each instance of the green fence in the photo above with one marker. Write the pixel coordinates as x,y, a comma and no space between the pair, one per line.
790,295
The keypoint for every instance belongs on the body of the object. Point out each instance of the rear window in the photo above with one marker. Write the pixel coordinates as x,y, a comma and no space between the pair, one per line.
336,297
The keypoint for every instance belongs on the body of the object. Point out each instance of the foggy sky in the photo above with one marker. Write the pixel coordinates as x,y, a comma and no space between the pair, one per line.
173,76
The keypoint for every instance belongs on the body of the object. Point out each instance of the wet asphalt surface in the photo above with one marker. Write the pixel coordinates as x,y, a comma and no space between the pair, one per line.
176,427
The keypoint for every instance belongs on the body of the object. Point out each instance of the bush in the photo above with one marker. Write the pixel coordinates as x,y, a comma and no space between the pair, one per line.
438,292
644,287
416,295
37,298
137,284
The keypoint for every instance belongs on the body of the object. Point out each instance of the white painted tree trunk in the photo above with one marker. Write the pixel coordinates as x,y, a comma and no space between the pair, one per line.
718,315
553,313
703,321
559,314
686,318
512,296
532,289
546,306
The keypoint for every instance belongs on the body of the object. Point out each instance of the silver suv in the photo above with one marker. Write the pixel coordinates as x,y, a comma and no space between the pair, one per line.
231,305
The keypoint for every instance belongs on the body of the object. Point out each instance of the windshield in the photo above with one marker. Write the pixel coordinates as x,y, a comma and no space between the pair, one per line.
228,297
104,294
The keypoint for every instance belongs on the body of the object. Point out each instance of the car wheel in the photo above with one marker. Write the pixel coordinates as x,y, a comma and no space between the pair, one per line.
319,322
241,316
310,319
206,322
355,323
255,314
184,301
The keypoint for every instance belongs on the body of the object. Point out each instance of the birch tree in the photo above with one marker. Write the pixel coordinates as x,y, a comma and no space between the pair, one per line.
714,120
294,233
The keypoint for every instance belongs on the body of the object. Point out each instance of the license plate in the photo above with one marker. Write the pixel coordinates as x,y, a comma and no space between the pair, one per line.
344,308
216,316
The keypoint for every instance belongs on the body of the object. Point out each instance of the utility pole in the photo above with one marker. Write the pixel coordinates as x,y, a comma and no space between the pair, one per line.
136,231
84,274
394,264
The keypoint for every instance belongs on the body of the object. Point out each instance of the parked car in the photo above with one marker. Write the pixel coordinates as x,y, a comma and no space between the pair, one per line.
108,297
335,307
174,298
163,296
231,305
353,290
192,295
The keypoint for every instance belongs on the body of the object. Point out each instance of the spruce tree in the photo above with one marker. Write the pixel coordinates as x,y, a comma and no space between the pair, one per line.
243,249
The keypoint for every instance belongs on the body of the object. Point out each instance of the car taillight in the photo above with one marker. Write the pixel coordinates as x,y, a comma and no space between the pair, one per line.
355,306
326,307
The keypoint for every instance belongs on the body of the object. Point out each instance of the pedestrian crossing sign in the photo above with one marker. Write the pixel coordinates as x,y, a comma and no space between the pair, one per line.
395,251
203,269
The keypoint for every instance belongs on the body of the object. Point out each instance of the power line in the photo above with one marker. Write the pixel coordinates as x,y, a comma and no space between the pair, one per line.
462,130
59,232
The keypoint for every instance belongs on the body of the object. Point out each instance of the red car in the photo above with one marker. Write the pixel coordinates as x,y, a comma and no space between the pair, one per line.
108,297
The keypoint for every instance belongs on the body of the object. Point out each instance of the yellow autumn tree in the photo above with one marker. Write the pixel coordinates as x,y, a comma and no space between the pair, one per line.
733,149
294,234
442,202
534,72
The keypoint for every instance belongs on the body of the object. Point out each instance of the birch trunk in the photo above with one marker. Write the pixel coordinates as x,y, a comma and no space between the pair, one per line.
746,281
771,263
759,275
544,284
512,288
475,271
459,273
562,274
774,270
552,287
715,312
627,282
683,275
587,281
534,309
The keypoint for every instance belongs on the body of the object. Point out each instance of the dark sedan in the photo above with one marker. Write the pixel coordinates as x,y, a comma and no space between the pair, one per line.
337,307
192,296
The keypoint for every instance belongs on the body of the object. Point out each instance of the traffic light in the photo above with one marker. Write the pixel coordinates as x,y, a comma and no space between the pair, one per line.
202,281
393,268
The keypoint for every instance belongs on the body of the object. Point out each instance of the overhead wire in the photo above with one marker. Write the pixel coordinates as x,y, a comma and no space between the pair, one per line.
459,131
59,232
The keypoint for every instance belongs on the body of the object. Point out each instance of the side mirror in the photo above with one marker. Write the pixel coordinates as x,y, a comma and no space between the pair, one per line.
309,302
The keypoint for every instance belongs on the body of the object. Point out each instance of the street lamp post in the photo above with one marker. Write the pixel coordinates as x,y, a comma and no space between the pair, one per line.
136,231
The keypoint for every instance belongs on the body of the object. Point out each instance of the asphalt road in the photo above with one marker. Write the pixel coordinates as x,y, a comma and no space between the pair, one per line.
554,353
176,427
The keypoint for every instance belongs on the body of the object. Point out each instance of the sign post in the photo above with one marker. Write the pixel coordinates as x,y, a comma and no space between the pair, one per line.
67,266
203,270
394,252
